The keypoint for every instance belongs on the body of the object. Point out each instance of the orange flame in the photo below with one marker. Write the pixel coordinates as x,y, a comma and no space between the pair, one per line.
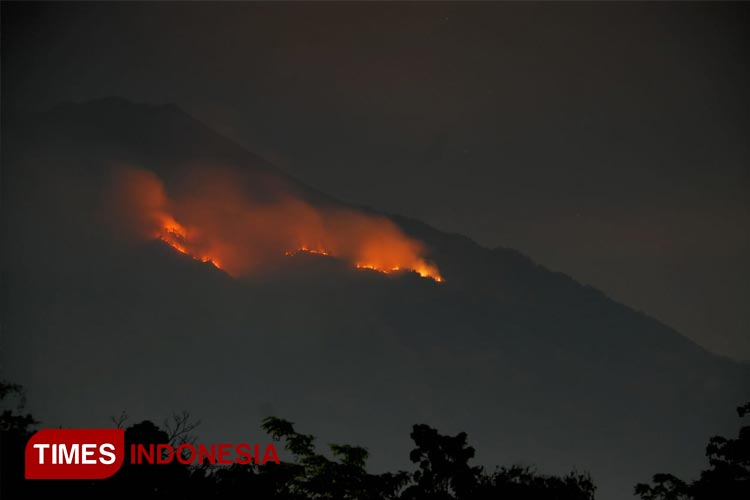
213,219
305,249
422,268
175,235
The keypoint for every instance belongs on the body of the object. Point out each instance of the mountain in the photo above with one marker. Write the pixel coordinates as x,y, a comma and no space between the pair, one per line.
536,367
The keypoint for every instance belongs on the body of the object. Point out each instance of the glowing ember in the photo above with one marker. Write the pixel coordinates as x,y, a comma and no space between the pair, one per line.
304,249
422,269
215,219
174,234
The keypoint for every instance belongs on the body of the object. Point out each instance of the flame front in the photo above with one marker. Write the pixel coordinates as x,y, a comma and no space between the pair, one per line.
214,221
422,268
306,249
175,235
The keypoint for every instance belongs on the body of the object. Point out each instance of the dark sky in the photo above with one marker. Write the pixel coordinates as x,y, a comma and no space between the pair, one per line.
607,141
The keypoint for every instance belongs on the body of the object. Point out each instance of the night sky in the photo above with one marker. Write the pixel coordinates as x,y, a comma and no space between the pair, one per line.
606,141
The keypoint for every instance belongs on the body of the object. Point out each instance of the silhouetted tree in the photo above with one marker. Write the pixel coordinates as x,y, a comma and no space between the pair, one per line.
727,478
444,473
13,417
444,470
170,480
523,483
316,476
179,428
16,427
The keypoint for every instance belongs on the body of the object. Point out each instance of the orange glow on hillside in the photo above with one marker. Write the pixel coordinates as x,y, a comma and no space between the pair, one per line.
214,218
173,234
305,249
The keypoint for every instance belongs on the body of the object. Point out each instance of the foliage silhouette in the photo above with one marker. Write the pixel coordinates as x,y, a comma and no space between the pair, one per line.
14,419
16,427
727,478
444,471
523,483
319,477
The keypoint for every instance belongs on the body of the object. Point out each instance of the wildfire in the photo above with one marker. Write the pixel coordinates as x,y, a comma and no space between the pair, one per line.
214,218
422,268
175,235
305,249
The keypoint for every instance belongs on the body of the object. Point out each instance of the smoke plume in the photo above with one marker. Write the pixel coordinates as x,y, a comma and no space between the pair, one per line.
213,217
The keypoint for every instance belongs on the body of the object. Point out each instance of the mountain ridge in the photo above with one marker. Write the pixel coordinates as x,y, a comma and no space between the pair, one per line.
115,103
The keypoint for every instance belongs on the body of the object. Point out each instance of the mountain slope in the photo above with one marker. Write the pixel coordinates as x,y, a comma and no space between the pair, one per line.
533,365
